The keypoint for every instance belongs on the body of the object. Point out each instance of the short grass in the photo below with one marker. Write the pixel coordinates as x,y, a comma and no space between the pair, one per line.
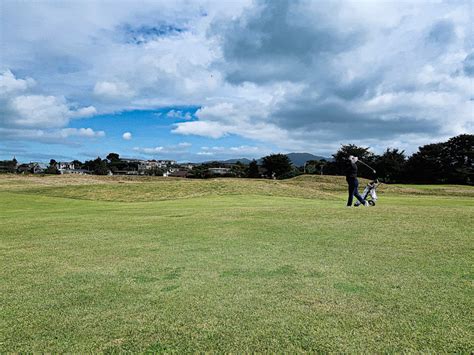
124,264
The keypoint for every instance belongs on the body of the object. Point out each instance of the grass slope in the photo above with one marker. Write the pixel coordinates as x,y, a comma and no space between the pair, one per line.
233,265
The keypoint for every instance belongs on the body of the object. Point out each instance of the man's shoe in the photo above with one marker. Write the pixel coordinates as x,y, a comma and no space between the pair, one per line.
366,204
349,206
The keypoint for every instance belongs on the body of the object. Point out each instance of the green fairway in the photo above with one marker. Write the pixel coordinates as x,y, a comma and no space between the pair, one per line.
108,264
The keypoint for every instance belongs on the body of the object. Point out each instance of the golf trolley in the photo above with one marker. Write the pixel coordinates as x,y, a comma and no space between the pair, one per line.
370,190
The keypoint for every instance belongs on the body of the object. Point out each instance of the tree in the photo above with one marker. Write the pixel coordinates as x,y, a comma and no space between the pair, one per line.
252,170
238,169
113,157
154,171
277,165
97,166
52,168
315,166
459,159
390,165
200,172
77,164
448,162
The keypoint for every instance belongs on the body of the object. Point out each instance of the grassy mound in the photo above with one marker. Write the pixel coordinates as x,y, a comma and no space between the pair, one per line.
141,189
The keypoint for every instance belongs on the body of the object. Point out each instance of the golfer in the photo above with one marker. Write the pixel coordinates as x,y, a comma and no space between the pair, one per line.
351,178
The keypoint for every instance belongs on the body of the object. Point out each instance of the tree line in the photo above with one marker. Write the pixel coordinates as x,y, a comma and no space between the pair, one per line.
437,163
450,162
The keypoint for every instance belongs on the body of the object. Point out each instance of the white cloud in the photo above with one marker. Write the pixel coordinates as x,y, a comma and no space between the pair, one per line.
25,115
41,111
113,90
53,136
80,132
9,83
174,149
127,136
201,128
179,114
242,151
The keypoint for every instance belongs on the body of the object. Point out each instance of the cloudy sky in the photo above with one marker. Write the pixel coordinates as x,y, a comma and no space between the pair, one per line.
203,80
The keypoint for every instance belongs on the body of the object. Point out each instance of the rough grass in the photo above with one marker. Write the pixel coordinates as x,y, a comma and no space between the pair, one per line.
140,189
232,266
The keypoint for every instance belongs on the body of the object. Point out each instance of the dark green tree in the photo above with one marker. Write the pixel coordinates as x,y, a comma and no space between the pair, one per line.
97,166
77,164
113,157
390,165
238,169
154,171
200,172
52,168
252,170
448,162
277,165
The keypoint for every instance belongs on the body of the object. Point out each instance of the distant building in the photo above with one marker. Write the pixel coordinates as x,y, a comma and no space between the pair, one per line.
33,168
219,171
75,171
62,166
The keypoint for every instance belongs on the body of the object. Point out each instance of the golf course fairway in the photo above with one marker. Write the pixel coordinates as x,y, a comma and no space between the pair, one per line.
93,264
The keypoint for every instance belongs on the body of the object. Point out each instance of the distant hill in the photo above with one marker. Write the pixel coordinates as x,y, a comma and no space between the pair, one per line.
233,161
298,159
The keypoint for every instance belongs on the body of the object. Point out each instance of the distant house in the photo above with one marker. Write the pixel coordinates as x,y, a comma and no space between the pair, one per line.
220,171
187,166
75,171
63,166
34,168
153,164
24,168
140,166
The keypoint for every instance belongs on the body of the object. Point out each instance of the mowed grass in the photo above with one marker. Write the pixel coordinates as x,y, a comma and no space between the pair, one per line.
124,264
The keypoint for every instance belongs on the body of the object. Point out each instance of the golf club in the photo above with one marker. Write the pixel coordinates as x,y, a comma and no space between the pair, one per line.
367,165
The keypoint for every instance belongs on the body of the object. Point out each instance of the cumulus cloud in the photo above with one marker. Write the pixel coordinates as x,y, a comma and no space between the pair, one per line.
43,111
52,136
179,114
9,83
24,115
364,79
127,136
174,149
297,74
112,90
242,151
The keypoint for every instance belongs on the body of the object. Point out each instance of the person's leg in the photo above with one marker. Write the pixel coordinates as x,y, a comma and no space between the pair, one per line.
356,192
351,185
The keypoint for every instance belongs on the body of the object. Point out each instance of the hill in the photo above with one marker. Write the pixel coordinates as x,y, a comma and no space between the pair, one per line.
298,159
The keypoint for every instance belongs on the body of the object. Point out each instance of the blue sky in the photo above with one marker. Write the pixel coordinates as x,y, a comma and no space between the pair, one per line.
205,80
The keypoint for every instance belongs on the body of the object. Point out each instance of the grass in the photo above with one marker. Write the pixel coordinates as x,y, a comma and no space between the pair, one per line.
124,264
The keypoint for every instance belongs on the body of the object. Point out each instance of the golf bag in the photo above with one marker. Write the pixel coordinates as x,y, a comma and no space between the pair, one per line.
370,190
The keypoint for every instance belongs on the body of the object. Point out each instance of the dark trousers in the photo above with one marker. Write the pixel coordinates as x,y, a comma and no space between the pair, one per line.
353,190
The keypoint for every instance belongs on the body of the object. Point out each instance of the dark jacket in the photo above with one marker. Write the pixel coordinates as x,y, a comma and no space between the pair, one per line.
351,170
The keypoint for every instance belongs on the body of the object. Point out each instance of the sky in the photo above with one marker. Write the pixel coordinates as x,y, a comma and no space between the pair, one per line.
208,80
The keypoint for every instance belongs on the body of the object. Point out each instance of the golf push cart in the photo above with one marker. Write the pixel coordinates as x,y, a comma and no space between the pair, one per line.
370,190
